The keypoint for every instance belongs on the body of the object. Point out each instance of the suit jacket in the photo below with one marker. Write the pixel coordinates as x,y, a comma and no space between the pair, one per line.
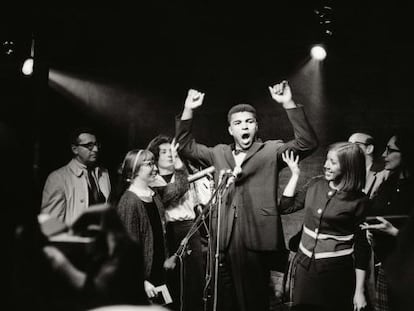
253,199
65,194
374,179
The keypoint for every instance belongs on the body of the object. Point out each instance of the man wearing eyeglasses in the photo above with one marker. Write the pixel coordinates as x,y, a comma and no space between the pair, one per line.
376,174
81,183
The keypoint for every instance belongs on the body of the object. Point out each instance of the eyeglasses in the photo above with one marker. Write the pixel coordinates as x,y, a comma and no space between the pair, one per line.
149,163
389,150
90,146
361,143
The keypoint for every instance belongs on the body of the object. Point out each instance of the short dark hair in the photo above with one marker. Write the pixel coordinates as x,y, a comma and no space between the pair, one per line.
154,144
240,108
74,136
369,139
352,162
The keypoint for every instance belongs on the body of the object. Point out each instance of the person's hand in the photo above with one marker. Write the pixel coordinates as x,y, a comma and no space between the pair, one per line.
291,161
383,226
282,94
194,99
56,258
150,289
370,237
174,154
360,302
170,262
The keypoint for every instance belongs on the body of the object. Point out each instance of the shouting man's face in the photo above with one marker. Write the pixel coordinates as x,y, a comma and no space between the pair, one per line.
243,128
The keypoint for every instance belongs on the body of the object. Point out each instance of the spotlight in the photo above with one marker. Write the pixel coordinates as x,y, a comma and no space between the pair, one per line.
324,12
318,52
326,19
325,22
8,47
27,68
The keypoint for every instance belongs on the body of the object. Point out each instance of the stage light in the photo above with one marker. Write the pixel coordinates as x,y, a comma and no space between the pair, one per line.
27,67
8,47
326,19
318,52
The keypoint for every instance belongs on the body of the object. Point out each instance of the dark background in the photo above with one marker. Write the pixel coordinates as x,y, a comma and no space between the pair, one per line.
125,69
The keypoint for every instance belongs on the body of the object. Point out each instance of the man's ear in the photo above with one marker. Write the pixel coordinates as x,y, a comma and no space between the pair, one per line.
370,149
230,130
74,149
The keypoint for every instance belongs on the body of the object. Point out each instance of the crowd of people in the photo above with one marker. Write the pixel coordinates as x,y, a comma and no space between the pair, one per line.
352,252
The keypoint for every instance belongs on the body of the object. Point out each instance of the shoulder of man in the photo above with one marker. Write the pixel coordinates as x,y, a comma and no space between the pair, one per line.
60,171
222,147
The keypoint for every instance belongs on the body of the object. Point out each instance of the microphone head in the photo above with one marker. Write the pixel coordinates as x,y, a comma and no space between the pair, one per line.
237,170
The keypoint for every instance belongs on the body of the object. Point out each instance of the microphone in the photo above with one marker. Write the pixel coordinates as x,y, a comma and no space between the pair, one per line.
222,174
236,172
201,174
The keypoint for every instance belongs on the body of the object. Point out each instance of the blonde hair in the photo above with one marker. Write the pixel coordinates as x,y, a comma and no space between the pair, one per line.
352,163
132,162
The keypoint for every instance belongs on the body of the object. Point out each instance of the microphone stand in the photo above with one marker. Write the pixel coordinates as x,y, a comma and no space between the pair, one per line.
206,211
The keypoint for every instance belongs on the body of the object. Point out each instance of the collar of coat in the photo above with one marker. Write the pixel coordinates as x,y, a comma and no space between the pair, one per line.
255,147
78,168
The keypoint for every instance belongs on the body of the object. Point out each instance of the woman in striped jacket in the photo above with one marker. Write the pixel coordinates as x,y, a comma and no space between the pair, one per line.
333,252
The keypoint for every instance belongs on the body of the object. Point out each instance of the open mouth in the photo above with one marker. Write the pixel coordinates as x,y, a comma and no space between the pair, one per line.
245,136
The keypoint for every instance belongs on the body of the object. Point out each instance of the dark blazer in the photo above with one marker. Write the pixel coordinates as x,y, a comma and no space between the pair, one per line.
134,216
132,212
336,213
254,202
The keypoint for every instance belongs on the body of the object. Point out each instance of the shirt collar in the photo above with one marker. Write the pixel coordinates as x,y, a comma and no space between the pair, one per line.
141,193
77,167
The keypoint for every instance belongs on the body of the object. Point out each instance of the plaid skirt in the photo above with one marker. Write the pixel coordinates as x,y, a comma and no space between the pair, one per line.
381,294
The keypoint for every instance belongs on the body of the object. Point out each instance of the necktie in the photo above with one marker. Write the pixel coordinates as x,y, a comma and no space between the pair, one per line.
238,151
369,194
95,194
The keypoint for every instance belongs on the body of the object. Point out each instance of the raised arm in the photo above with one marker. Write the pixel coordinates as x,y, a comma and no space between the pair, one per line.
175,190
305,140
292,163
193,101
290,201
188,146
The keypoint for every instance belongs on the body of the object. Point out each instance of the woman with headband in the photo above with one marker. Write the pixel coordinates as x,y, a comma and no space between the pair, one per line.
141,210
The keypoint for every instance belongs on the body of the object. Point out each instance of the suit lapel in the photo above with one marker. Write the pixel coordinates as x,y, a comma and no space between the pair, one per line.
228,155
252,150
